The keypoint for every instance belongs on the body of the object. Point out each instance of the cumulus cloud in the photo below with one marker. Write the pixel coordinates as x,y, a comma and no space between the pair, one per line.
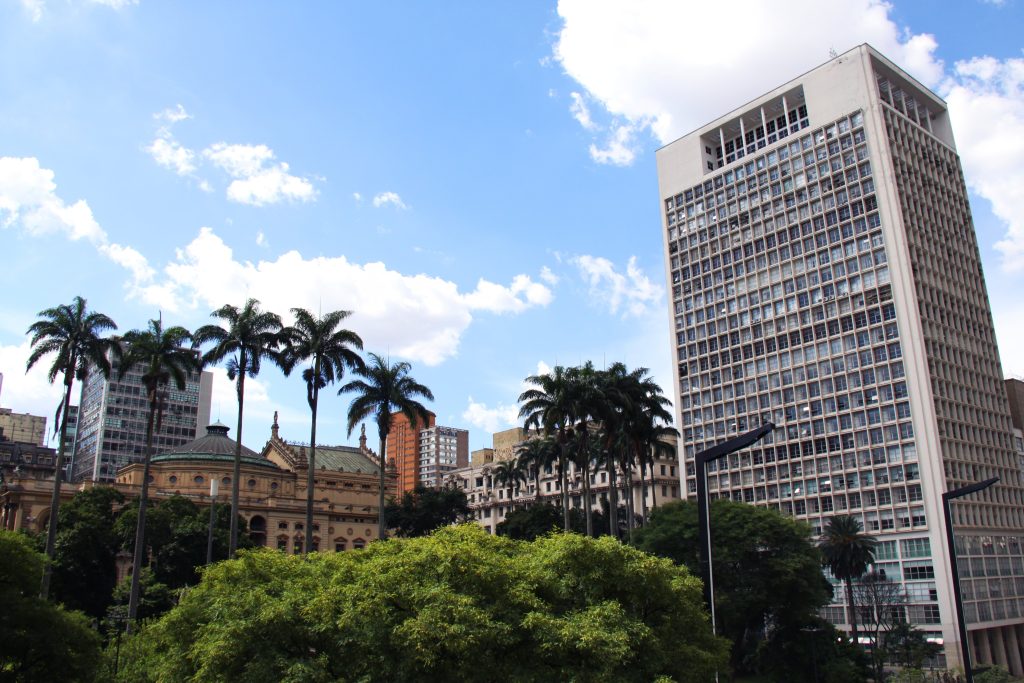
29,200
34,9
258,178
115,4
419,317
656,81
392,198
490,419
631,292
165,148
986,103
32,391
548,276
581,112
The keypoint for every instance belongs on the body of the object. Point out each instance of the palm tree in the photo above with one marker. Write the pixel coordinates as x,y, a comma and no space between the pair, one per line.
329,349
163,356
847,552
547,407
72,332
251,336
534,455
653,442
585,401
385,388
508,473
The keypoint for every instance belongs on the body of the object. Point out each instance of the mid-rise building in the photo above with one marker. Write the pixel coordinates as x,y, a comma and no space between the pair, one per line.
112,418
825,276
23,427
491,501
442,450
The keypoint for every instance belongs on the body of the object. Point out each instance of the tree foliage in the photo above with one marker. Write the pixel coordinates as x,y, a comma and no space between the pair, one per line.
39,641
460,605
422,510
766,569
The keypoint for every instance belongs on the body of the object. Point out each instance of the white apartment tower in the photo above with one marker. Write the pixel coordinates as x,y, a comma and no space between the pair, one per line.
825,276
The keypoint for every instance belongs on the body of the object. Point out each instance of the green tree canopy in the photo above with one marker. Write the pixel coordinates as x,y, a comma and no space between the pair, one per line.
766,569
423,510
460,605
39,641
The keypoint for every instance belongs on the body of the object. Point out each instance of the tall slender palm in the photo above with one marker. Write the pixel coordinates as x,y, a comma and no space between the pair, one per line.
547,407
508,473
585,401
250,337
534,455
329,350
654,440
72,333
384,389
847,551
163,356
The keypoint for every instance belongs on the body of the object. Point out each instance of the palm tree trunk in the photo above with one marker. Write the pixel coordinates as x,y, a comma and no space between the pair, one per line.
58,476
654,487
613,496
853,610
382,527
630,504
563,479
236,471
140,524
311,473
586,497
643,490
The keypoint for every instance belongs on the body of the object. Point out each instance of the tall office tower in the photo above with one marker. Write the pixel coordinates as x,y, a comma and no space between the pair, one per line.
403,449
442,451
112,421
825,276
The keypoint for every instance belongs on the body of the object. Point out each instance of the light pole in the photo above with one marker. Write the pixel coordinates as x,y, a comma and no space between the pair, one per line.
213,505
965,647
703,458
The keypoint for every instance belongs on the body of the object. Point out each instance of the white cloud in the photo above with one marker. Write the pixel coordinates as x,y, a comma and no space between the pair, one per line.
258,180
580,112
29,392
384,198
667,70
165,149
356,196
632,292
417,316
115,4
28,199
986,104
34,8
548,276
490,419
261,239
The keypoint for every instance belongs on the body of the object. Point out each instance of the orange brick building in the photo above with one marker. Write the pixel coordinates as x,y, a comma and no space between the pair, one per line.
403,448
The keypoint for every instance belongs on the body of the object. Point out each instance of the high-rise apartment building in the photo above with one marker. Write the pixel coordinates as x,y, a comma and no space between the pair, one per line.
112,421
825,276
442,450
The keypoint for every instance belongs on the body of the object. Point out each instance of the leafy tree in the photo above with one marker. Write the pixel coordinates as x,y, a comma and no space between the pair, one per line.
811,651
909,646
72,333
881,605
847,552
383,389
162,356
329,350
39,641
766,569
250,337
176,535
155,598
85,551
528,524
995,674
548,407
422,510
460,605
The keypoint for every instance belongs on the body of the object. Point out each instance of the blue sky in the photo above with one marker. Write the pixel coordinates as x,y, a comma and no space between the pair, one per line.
475,181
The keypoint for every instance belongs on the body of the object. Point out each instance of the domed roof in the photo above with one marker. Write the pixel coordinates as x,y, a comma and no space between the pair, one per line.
215,445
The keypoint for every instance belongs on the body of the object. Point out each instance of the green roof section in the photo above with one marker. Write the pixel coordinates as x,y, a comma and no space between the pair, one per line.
214,457
214,446
340,459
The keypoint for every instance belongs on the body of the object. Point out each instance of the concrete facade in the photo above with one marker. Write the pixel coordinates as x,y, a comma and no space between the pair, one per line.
825,276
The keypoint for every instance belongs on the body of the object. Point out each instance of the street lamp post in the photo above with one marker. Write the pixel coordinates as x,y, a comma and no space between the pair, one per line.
209,534
965,647
703,458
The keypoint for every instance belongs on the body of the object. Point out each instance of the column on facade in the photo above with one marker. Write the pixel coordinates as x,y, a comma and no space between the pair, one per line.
1013,650
999,647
